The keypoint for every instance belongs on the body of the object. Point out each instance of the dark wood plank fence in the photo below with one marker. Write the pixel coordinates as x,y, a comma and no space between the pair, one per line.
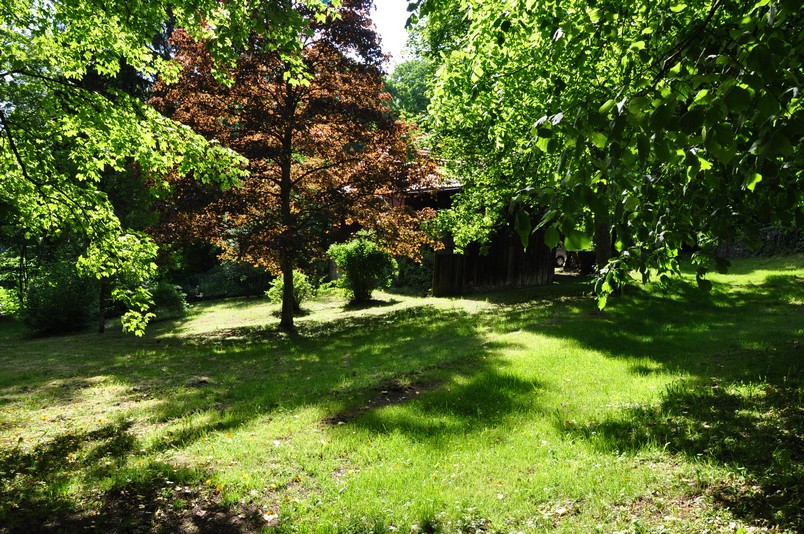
506,264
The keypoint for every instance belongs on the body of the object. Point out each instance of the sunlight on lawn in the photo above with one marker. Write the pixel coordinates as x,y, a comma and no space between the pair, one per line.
523,410
236,318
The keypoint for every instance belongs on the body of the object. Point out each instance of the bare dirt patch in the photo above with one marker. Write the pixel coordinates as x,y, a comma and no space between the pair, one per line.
389,393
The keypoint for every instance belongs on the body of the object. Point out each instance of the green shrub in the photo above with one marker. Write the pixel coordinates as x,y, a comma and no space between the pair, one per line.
229,279
416,277
169,300
364,267
768,241
59,301
9,303
779,241
302,289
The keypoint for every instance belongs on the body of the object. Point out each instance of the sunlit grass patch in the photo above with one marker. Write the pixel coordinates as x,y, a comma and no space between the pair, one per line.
528,410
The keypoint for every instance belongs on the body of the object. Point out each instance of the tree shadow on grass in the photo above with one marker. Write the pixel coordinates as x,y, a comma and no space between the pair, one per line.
347,365
686,329
758,263
34,490
451,398
152,497
146,497
362,364
760,436
210,386
564,286
477,397
307,329
368,304
741,408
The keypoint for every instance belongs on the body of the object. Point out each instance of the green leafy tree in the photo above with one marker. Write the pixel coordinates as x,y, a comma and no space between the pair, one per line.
437,27
644,126
409,84
59,134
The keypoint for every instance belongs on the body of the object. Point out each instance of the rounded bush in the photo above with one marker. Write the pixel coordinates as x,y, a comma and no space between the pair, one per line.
364,267
302,289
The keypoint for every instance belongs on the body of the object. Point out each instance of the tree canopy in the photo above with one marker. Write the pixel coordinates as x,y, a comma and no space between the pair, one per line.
409,84
60,132
325,157
649,125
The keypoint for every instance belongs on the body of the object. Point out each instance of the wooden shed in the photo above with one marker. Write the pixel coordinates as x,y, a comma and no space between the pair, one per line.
505,264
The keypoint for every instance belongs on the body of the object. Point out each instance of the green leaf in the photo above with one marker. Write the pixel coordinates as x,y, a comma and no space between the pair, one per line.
678,8
751,181
608,106
738,99
599,140
661,117
768,106
643,147
760,59
780,144
722,144
692,121
637,45
551,237
638,105
562,162
523,227
662,151
701,95
575,241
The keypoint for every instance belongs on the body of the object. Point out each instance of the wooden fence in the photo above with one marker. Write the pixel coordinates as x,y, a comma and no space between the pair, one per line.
506,264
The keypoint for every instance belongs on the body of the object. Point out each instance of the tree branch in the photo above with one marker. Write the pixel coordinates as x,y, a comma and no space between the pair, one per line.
324,167
13,145
674,52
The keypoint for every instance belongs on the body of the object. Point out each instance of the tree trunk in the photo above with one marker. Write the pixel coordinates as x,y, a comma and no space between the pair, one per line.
287,259
286,322
602,237
602,241
103,297
22,278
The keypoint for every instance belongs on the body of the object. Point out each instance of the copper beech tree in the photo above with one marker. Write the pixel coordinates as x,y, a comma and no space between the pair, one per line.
326,156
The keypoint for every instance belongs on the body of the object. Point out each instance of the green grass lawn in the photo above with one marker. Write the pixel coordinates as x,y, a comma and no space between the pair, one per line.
521,411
